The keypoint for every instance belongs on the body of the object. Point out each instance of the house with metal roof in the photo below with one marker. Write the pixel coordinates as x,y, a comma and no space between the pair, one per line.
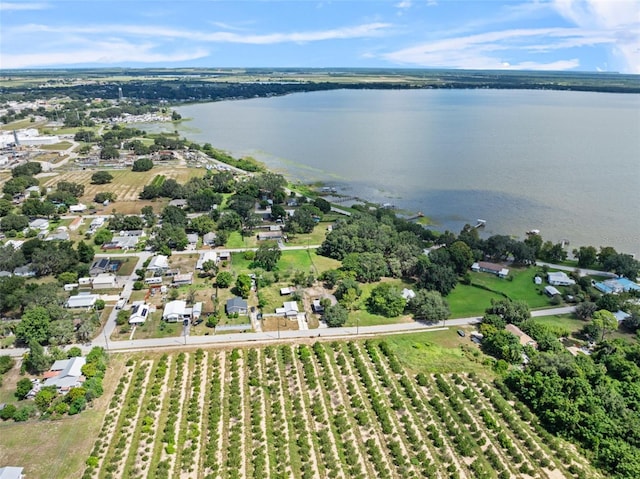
158,263
559,278
177,311
11,472
289,309
204,257
66,374
104,281
81,300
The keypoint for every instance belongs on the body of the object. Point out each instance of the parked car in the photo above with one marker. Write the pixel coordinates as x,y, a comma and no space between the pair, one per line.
460,333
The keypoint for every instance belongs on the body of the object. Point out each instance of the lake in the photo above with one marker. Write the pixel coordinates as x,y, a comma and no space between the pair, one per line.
566,163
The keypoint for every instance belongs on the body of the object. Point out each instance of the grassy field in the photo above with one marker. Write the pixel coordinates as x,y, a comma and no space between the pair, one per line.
63,145
467,300
126,184
436,352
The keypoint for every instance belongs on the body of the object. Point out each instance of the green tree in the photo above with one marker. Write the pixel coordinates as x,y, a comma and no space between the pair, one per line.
368,267
335,315
386,300
67,277
436,277
6,207
36,361
45,397
322,204
34,326
224,279
587,256
461,256
103,196
142,164
61,331
605,322
85,252
243,285
101,178
23,387
503,345
202,224
8,412
513,312
429,306
109,152
74,352
102,236
304,220
13,222
268,255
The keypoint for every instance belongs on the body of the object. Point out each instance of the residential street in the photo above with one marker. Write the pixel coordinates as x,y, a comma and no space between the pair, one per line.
243,339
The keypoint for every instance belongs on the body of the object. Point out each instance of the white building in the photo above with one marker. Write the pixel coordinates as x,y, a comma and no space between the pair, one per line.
176,311
158,263
559,278
104,281
66,374
204,257
82,300
79,208
139,313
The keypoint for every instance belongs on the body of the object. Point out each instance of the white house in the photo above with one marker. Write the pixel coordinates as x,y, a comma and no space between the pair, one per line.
158,263
559,278
39,224
204,257
79,208
66,374
104,281
139,312
408,294
209,239
289,309
551,290
11,472
493,268
97,222
176,311
82,300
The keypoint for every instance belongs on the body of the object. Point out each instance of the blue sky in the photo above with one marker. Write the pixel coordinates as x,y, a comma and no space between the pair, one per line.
580,35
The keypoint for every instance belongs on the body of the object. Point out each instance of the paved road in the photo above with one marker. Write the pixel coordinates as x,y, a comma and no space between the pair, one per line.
581,271
266,337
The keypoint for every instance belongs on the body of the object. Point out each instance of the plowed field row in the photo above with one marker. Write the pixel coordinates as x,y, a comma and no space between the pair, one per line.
339,410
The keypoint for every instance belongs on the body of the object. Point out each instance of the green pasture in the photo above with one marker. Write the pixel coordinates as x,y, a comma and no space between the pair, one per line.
436,352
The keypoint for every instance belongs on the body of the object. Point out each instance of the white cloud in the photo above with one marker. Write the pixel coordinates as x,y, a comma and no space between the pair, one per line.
491,50
13,6
620,19
403,4
105,52
358,31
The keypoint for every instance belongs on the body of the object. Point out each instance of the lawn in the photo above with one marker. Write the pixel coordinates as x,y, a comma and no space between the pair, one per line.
290,262
236,240
565,321
466,300
436,352
63,145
